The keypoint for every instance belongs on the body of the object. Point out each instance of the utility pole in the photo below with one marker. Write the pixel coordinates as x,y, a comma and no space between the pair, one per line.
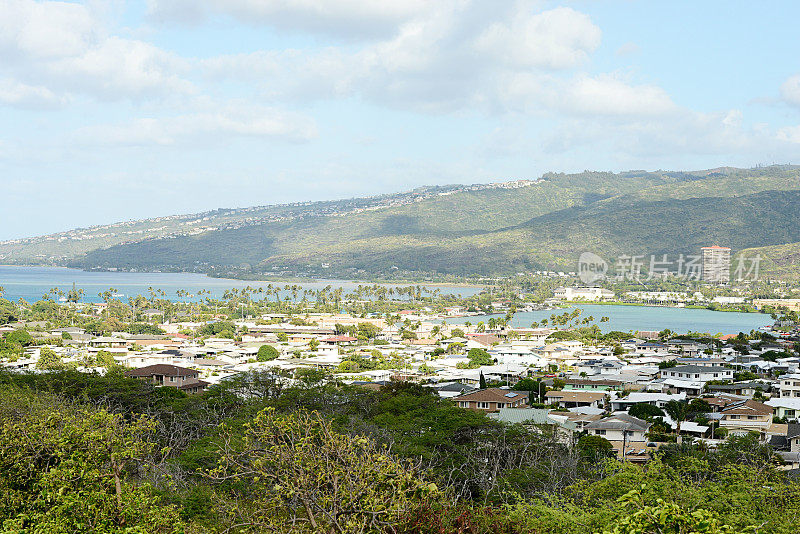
624,441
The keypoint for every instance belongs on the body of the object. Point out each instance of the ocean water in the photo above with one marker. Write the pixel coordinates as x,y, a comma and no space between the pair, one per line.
646,318
31,283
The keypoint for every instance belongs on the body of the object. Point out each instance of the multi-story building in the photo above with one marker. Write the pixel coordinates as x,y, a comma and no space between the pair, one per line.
691,379
717,264
697,372
170,375
746,416
790,386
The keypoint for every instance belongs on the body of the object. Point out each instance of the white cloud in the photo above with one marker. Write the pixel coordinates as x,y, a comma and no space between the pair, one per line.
628,49
560,38
344,18
211,126
660,141
18,94
446,61
790,90
117,67
790,134
608,95
63,47
41,30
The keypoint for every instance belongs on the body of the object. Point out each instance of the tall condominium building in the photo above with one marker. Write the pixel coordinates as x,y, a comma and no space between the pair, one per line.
717,264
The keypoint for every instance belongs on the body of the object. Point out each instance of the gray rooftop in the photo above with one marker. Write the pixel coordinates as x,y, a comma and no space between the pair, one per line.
695,369
620,421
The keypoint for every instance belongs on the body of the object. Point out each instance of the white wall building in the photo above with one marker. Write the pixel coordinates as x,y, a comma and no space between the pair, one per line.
583,293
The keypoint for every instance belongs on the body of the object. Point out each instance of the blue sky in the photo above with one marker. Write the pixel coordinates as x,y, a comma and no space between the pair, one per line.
119,110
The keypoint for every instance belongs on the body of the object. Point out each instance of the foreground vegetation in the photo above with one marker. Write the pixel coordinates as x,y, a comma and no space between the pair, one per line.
85,453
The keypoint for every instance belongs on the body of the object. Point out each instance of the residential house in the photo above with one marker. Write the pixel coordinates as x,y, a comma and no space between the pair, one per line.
452,389
573,399
656,399
785,407
111,342
580,420
170,375
745,389
697,373
592,385
691,379
746,416
621,428
565,428
492,399
789,386
700,362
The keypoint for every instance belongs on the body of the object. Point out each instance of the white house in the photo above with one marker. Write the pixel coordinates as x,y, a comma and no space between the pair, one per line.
620,427
697,373
790,386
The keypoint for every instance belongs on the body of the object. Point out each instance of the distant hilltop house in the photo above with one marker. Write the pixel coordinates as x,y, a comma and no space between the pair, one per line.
583,293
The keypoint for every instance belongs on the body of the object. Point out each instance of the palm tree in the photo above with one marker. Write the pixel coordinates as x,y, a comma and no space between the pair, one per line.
678,411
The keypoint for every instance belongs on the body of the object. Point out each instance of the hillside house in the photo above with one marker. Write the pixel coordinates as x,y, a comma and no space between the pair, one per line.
746,416
574,399
170,376
620,427
492,399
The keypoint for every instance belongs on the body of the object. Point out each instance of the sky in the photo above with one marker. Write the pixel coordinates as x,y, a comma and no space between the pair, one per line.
113,110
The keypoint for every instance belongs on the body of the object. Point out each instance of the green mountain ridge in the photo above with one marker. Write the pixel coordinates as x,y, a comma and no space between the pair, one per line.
482,230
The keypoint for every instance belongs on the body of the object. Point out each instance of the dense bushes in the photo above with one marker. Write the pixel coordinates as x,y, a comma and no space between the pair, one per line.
264,455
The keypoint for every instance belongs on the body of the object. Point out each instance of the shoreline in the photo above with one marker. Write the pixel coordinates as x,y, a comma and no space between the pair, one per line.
686,307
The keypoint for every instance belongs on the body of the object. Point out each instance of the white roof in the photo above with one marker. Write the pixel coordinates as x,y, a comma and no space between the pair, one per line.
635,397
787,402
689,384
586,410
691,426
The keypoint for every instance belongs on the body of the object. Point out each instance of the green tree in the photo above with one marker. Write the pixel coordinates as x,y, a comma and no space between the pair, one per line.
301,476
20,337
479,357
67,469
678,411
49,360
595,447
665,517
645,411
267,353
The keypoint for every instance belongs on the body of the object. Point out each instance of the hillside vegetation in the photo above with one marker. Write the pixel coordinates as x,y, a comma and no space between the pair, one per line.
83,453
463,230
778,261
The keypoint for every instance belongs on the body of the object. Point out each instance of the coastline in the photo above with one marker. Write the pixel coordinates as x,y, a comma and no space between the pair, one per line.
642,304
